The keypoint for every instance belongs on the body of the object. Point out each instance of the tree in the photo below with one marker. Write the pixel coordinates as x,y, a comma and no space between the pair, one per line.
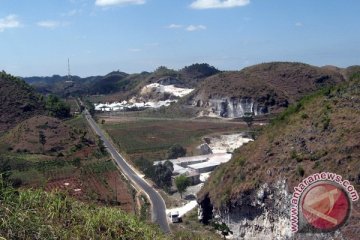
77,162
163,173
248,118
146,167
42,139
169,165
57,108
223,228
176,151
101,145
181,182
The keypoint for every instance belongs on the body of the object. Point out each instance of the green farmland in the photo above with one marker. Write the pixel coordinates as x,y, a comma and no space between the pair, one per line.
152,138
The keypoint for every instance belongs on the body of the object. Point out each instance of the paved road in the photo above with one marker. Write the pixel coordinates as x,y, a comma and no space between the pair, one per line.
157,203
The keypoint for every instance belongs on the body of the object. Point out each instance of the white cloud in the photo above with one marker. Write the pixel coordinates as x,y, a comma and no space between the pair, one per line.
193,28
10,21
208,4
71,13
51,24
299,24
106,3
174,26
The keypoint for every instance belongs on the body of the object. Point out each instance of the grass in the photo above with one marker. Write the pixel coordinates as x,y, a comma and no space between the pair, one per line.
192,229
99,167
37,169
152,138
35,214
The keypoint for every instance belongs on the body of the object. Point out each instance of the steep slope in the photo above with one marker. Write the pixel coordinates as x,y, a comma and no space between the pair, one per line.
34,214
260,89
321,133
18,101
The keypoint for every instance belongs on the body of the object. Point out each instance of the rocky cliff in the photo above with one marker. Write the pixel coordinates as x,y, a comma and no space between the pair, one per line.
251,193
260,89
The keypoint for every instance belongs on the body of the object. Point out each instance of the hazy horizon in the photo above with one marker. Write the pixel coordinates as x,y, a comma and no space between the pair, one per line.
100,36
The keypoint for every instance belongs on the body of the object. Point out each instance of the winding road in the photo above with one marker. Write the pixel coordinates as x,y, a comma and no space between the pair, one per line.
157,202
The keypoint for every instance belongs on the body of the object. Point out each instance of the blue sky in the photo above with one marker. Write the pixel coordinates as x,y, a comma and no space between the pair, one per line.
99,36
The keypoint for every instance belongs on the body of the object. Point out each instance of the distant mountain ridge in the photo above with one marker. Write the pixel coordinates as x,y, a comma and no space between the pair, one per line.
259,89
120,84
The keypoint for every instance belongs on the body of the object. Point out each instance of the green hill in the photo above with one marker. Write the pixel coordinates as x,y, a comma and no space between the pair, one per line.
18,101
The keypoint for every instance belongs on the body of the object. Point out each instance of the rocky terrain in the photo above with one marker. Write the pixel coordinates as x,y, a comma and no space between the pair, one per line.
260,89
252,192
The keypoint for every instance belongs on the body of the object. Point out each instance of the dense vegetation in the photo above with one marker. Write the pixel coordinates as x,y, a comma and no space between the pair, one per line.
199,70
56,107
176,151
160,173
35,214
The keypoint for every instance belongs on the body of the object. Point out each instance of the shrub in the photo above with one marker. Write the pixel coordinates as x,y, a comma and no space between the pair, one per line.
300,170
304,116
176,151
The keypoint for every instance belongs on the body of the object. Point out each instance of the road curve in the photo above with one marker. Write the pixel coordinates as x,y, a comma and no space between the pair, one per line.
157,202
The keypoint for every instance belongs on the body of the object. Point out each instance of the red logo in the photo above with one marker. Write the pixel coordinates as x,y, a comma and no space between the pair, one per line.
325,206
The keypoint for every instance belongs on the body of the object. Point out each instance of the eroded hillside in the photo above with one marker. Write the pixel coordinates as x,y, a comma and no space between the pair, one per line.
260,89
319,133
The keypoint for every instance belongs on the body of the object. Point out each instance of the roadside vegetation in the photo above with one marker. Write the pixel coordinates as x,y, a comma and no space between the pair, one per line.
181,183
35,214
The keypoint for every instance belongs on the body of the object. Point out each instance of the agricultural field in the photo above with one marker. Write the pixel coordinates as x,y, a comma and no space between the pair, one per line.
152,138
81,169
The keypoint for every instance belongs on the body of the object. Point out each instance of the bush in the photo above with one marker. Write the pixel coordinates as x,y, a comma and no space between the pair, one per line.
57,108
146,167
176,151
300,170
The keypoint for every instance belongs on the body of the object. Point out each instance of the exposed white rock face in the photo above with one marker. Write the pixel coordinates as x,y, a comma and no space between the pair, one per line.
257,220
232,107
265,214
228,142
171,89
